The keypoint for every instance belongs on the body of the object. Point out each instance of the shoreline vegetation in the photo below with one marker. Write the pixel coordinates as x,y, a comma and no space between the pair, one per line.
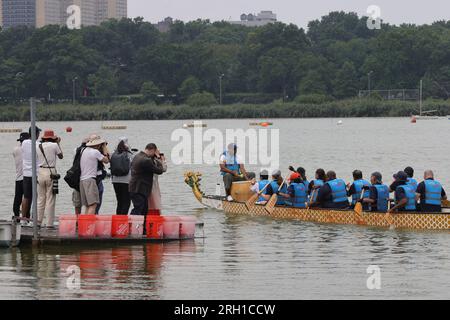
277,109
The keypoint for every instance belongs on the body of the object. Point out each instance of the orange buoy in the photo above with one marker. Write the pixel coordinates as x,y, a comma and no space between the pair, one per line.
69,129
264,124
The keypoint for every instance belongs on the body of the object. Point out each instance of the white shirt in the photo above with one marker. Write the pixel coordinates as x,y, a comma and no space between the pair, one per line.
51,150
89,162
17,154
26,158
223,159
255,188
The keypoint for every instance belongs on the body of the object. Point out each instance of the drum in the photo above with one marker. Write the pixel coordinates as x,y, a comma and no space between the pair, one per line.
240,191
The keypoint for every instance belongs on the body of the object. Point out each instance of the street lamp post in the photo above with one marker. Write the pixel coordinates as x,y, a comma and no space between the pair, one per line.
220,88
74,80
369,83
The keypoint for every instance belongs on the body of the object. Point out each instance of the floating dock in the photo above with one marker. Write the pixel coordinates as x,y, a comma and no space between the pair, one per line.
10,130
114,127
51,236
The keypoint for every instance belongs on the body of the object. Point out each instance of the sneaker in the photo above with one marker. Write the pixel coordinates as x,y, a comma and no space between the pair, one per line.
229,198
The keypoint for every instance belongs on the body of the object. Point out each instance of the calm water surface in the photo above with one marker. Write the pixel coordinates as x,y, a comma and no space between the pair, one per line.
247,257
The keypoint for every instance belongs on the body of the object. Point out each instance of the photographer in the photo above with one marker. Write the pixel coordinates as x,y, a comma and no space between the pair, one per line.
154,203
89,164
48,150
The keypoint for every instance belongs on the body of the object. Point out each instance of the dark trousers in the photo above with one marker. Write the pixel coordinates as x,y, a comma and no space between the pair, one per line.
140,204
122,197
101,189
228,180
18,195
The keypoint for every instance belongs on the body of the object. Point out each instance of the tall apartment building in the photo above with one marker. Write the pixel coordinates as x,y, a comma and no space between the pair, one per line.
17,13
44,12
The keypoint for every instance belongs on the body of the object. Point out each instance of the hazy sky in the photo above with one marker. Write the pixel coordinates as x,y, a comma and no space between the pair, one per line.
299,12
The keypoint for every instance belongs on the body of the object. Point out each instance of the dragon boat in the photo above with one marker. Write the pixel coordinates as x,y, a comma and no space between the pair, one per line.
408,221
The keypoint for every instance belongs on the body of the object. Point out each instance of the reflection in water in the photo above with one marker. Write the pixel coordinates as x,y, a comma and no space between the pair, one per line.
119,272
247,257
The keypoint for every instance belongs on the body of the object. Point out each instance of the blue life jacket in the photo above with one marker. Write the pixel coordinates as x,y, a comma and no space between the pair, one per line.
412,182
358,188
306,183
317,183
338,190
275,187
231,163
433,190
262,184
300,195
382,197
410,195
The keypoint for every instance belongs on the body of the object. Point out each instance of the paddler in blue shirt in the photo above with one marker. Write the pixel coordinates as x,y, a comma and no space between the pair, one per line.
356,188
333,194
410,180
274,187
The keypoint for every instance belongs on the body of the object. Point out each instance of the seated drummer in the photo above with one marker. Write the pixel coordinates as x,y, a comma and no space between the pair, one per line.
405,196
333,194
231,168
378,194
431,193
274,188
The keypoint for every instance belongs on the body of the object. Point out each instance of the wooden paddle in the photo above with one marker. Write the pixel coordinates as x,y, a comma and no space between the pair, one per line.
250,203
358,206
270,205
388,216
313,193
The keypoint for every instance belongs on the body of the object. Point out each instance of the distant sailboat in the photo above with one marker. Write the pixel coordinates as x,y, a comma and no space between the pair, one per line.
424,115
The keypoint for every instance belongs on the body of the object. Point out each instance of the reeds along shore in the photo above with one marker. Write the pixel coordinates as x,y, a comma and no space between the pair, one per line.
277,109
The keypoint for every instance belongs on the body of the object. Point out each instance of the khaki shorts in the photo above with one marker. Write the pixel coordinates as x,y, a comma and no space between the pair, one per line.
89,192
76,199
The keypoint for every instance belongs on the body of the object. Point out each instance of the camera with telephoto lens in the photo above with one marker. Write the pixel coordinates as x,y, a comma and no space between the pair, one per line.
55,183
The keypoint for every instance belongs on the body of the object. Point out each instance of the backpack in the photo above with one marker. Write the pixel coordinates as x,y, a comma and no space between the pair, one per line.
73,175
120,164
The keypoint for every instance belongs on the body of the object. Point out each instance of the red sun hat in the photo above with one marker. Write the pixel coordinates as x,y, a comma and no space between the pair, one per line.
294,176
49,134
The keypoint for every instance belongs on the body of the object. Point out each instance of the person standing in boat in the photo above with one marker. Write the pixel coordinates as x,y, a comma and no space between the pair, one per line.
411,181
231,168
333,194
316,184
49,150
143,167
431,193
89,189
298,191
121,175
274,187
378,194
154,201
356,188
17,154
405,195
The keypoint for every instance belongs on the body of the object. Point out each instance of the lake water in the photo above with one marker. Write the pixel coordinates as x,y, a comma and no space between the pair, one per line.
247,257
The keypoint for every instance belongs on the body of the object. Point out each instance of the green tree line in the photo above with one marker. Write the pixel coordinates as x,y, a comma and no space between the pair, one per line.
331,59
